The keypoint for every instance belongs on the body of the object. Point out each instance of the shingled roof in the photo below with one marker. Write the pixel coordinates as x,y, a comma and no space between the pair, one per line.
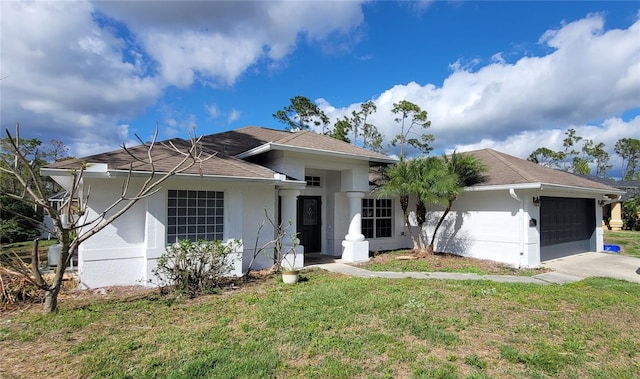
505,170
227,149
252,140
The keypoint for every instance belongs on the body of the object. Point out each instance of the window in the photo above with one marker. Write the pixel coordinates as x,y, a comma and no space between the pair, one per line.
312,181
376,218
195,215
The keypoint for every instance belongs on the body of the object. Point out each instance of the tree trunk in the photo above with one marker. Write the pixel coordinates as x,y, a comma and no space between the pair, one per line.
51,300
51,293
421,217
404,204
435,231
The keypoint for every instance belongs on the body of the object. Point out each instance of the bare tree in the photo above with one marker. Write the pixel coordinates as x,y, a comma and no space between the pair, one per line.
275,248
72,222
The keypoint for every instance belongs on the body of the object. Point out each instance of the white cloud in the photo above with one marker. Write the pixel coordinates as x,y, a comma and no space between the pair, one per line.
589,76
217,41
233,116
78,70
212,110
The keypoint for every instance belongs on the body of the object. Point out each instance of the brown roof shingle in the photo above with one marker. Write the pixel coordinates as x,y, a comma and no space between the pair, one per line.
504,169
166,159
225,146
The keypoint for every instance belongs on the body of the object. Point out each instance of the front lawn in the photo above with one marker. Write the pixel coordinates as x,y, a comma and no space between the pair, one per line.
629,240
332,326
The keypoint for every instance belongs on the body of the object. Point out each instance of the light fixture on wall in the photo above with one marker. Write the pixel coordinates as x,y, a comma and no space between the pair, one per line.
536,201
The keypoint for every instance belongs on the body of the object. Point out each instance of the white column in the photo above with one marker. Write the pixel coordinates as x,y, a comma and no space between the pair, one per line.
288,208
355,215
354,247
289,217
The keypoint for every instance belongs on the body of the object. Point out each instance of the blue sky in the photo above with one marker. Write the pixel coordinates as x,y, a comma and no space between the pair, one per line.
512,76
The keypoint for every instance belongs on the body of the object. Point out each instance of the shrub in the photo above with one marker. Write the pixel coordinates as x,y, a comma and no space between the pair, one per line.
195,267
18,220
630,209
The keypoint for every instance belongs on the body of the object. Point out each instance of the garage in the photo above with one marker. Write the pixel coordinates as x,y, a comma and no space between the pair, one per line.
566,226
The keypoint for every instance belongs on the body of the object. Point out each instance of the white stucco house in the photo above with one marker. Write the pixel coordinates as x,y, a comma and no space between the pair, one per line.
316,182
521,214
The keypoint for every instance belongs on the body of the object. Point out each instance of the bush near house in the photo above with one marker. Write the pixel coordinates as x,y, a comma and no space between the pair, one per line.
630,211
194,268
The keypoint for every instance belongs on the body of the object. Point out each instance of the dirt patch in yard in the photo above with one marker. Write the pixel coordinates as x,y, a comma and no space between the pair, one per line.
443,262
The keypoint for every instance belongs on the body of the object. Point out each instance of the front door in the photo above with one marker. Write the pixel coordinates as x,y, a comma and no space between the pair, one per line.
310,223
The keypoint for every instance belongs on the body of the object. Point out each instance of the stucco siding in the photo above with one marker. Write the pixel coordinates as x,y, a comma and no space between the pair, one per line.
482,225
125,252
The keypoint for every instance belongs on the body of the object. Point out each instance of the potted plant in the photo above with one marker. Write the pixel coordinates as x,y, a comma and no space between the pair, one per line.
278,251
290,274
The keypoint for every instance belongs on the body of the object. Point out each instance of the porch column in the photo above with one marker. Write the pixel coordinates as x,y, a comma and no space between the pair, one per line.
289,213
616,216
355,248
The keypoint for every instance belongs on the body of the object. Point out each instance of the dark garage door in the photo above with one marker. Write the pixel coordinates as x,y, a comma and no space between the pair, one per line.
566,226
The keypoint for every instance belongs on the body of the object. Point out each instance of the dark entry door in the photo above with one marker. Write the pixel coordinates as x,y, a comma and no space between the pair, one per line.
310,223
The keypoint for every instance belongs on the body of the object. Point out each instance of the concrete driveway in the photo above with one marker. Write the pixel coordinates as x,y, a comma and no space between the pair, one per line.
598,264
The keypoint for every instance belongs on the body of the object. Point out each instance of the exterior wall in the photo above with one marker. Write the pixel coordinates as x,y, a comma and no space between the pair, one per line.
116,255
125,252
494,225
484,225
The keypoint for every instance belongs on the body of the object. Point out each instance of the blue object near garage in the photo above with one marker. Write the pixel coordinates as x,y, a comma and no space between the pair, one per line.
615,249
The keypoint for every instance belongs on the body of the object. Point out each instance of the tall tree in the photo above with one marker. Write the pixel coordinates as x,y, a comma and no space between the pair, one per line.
372,139
629,150
302,114
359,120
73,225
546,157
410,116
468,171
598,155
360,126
569,151
341,130
573,160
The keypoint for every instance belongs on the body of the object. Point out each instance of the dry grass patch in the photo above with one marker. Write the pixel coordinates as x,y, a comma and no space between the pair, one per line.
442,262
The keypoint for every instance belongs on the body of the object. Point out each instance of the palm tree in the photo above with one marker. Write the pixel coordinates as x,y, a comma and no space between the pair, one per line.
431,183
398,179
467,171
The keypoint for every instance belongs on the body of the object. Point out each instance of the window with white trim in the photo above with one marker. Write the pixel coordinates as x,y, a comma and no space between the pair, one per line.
377,218
312,181
195,215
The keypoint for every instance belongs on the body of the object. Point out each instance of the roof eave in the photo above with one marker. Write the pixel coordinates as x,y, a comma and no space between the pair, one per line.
280,147
182,175
542,187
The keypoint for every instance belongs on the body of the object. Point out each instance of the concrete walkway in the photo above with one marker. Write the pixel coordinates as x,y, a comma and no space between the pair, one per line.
546,278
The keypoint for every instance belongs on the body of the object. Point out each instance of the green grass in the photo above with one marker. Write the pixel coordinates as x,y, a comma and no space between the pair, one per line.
629,240
331,326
